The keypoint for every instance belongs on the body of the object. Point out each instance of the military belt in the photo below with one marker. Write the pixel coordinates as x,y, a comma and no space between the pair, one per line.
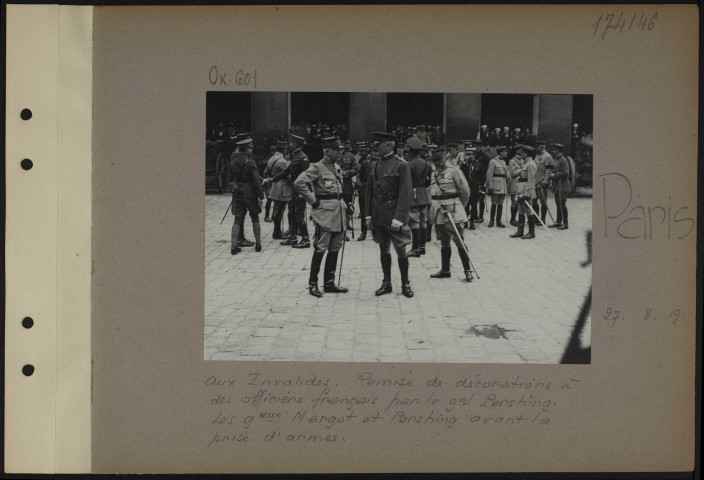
445,196
522,180
502,175
329,196
549,167
383,198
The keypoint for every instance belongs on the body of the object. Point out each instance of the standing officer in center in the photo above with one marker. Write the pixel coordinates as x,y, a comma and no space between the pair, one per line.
389,195
321,186
420,177
497,184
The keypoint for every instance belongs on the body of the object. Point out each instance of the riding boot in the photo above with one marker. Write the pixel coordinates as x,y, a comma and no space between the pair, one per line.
405,284
277,229
421,241
543,212
386,268
521,223
445,254
267,218
314,269
415,234
492,214
257,228
234,249
514,211
329,275
465,264
429,233
531,228
565,224
499,212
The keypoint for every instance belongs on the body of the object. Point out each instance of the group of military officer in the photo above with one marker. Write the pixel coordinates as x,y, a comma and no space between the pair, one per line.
402,193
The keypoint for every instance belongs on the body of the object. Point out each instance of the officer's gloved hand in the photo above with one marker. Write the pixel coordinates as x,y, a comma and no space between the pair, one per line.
350,209
490,191
396,225
315,204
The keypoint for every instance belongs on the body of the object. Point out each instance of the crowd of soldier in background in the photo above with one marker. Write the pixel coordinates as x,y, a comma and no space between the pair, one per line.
426,185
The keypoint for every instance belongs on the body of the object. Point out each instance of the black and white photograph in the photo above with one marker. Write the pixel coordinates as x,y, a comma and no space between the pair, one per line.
398,227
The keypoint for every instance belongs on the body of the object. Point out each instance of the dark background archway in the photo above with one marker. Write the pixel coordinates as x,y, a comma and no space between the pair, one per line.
510,110
331,108
412,109
226,107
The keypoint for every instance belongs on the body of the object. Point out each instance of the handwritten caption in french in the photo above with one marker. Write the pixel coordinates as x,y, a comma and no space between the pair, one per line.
310,409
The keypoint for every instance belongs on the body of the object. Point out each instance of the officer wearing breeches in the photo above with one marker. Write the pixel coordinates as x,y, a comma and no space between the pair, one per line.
420,178
321,186
497,185
450,194
247,194
389,195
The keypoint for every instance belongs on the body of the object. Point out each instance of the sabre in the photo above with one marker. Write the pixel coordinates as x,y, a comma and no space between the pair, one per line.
537,216
464,246
342,255
226,211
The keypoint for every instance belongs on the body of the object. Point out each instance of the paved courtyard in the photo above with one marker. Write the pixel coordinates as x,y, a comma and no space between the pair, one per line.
522,310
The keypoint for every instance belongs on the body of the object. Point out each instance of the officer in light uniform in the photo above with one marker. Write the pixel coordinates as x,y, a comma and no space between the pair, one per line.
514,168
281,189
526,193
497,185
450,193
389,195
321,186
545,165
418,213
297,205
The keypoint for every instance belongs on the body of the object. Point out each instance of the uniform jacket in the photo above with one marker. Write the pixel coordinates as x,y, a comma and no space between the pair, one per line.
526,179
389,191
545,163
246,177
420,178
496,175
350,168
363,175
294,169
324,178
449,180
474,173
561,175
514,167
281,190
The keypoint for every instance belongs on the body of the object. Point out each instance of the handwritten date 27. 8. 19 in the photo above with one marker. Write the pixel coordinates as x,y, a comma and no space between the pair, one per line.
624,22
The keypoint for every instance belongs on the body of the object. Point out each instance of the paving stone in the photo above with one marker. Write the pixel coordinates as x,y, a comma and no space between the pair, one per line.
257,306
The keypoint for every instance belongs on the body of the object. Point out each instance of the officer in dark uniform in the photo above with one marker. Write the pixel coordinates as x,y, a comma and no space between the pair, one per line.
483,157
389,195
475,175
561,187
247,194
321,186
420,178
241,241
297,205
350,168
362,178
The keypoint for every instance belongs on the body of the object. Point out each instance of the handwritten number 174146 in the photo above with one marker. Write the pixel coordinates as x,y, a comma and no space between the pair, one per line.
624,23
